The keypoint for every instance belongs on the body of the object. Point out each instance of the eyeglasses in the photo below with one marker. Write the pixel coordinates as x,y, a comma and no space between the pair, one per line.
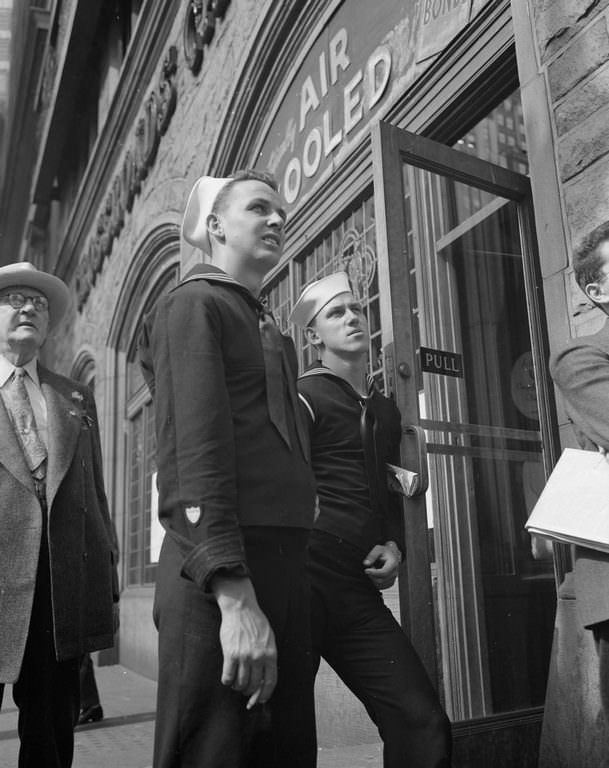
18,301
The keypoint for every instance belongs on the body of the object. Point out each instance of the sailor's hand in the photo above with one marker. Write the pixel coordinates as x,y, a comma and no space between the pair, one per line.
381,564
247,640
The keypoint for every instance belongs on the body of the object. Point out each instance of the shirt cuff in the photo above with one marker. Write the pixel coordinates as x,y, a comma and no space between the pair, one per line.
224,553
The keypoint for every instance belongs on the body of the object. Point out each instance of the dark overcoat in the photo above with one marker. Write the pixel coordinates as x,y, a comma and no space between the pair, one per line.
581,372
80,534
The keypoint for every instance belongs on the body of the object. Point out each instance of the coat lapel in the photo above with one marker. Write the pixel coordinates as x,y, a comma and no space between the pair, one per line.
63,426
11,452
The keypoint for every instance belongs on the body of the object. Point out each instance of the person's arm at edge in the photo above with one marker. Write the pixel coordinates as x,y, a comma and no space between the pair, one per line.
581,373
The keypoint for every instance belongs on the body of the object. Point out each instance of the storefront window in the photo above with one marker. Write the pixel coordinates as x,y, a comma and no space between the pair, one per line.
142,472
484,444
500,137
277,296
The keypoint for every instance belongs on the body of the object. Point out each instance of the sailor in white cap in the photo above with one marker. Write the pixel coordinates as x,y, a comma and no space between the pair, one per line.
316,295
354,551
58,580
236,497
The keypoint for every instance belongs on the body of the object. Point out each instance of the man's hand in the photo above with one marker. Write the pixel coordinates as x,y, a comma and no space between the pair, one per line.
247,639
381,564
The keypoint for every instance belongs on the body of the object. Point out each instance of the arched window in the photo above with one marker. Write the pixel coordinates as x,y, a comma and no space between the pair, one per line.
153,271
142,535
83,370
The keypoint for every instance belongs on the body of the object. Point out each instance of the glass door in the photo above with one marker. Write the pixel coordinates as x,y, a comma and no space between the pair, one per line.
465,343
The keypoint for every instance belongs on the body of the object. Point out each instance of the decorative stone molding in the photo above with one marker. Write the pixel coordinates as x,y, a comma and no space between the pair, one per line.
199,29
139,158
46,89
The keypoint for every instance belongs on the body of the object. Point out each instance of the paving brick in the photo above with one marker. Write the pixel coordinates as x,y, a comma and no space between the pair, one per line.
126,745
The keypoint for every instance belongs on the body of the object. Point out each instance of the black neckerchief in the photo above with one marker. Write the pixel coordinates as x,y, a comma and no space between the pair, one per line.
375,467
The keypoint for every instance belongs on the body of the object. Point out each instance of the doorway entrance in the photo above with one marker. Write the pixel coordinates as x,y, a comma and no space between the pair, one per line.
465,351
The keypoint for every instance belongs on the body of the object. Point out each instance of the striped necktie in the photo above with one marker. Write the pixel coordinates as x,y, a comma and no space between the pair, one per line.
18,402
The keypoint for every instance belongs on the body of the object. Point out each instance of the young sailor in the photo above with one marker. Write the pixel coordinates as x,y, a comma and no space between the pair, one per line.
236,497
354,551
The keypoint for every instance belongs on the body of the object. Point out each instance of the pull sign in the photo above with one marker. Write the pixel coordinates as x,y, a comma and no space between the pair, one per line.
442,362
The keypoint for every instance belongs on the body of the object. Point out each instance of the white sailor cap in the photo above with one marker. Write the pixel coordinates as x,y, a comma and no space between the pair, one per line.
316,295
199,206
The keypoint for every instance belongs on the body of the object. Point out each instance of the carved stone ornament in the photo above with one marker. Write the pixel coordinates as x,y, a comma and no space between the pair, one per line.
193,45
139,158
199,29
168,95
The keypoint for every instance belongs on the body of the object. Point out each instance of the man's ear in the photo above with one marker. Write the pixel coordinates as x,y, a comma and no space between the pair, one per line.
214,225
596,294
312,336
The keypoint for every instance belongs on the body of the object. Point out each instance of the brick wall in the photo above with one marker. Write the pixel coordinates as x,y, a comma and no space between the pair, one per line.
573,38
563,59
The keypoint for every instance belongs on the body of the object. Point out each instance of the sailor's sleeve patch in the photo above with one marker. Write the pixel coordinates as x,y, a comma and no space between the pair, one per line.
193,515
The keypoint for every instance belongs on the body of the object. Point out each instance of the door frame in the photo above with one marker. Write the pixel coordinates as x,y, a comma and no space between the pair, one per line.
391,148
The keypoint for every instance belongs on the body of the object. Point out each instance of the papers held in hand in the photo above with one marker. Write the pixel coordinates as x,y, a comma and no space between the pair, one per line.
574,505
402,480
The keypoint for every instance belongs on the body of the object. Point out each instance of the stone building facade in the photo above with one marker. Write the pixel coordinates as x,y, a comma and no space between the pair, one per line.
563,54
447,154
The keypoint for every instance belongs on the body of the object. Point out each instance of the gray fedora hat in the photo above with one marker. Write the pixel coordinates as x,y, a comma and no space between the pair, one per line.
22,273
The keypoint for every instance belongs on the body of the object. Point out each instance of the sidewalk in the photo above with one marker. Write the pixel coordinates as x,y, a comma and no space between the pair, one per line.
123,739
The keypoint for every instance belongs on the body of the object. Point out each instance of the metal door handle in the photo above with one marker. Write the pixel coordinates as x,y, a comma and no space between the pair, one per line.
417,434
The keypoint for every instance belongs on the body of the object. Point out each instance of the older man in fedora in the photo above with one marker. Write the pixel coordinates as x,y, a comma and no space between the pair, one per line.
57,576
236,497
